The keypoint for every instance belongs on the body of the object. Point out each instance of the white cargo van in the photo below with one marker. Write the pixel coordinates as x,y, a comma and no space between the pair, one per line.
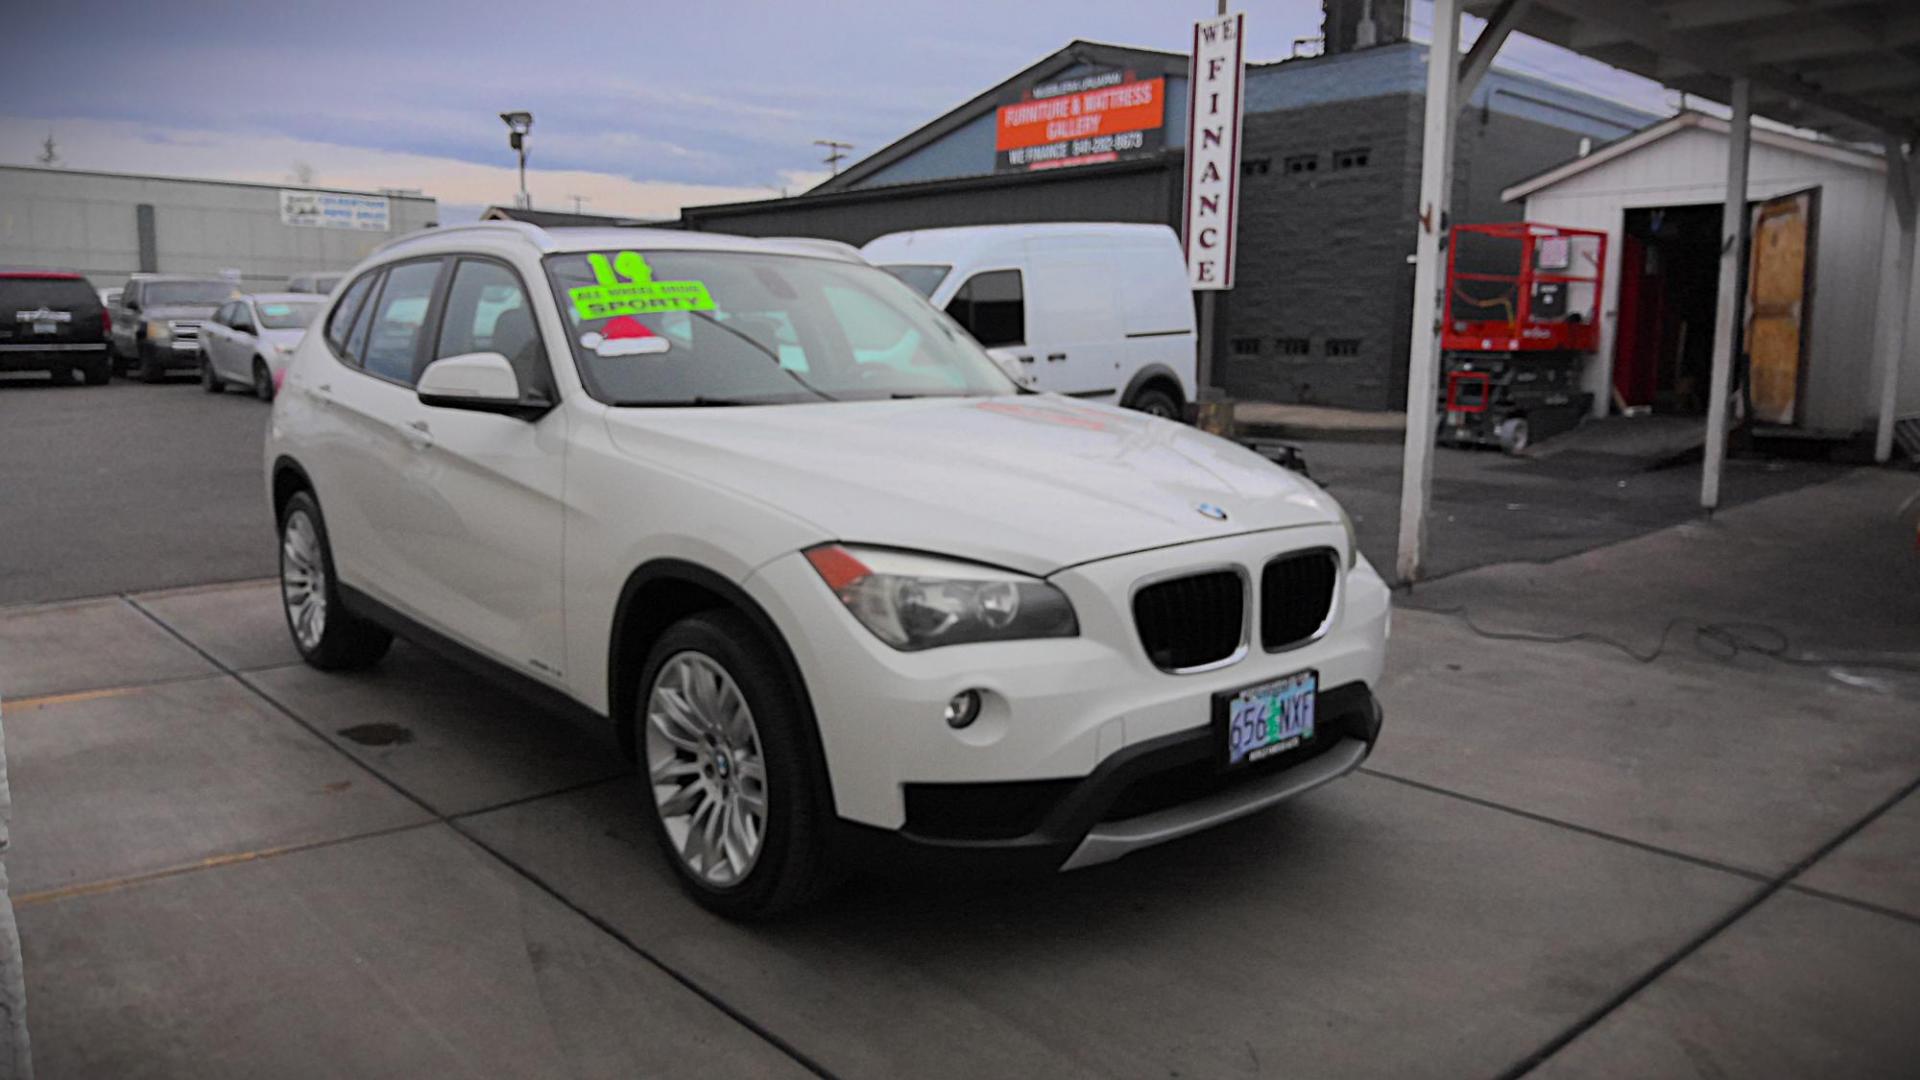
1097,311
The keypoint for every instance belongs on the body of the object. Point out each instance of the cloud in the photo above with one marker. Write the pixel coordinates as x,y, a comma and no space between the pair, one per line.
119,146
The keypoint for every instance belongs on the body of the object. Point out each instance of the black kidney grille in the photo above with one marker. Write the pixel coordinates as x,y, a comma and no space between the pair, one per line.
1191,621
1296,592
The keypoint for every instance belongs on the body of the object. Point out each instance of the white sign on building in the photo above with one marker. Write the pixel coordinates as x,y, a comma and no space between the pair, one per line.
1214,84
332,210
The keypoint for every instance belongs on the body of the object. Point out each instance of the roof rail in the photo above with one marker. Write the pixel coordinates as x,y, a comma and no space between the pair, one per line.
532,232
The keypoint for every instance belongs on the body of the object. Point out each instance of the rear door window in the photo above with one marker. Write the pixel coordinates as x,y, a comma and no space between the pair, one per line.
394,341
992,306
340,325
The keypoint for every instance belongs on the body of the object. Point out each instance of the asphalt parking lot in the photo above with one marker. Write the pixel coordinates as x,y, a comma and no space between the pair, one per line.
1561,860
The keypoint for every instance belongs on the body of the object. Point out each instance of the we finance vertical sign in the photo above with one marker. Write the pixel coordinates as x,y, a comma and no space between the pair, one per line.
1214,85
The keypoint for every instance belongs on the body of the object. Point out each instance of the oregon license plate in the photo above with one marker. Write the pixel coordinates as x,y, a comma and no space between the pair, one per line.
1272,718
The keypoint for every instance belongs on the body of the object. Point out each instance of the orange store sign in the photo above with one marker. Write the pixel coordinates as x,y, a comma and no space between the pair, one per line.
1100,117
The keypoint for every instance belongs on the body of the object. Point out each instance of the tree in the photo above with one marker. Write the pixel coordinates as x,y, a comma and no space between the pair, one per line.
302,174
49,152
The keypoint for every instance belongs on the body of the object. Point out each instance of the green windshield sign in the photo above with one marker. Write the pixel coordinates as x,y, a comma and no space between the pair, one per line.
638,294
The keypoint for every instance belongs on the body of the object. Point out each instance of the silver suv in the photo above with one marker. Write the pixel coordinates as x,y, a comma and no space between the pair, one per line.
156,323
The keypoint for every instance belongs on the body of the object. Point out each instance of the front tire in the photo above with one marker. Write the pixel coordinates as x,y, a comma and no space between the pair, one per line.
210,380
736,794
328,636
262,380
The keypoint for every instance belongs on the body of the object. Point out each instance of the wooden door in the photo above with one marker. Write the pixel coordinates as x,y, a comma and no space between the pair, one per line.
1779,291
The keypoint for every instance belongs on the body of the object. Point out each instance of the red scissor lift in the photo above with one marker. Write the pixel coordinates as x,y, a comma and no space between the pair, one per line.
1522,301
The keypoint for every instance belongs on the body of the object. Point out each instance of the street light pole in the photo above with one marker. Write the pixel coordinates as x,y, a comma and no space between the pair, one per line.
518,124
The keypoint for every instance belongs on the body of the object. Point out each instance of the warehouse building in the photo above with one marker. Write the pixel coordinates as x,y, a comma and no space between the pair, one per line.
1330,167
110,225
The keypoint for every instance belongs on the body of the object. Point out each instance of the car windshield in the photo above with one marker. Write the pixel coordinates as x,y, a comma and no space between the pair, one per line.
288,314
204,293
921,278
734,328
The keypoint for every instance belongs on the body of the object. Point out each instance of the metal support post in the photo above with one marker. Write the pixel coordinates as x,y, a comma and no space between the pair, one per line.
1423,355
1726,316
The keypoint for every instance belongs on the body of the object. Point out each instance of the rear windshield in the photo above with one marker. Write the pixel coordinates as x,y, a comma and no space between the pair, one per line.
289,314
19,294
204,293
921,278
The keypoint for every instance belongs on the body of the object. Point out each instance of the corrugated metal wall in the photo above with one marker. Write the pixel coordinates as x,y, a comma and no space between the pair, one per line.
93,223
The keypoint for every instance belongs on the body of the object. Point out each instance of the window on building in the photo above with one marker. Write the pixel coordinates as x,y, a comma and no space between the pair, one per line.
1256,166
992,308
1302,163
1293,346
1246,346
1343,346
1351,159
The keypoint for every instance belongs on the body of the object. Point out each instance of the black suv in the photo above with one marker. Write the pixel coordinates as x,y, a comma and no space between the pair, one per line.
52,321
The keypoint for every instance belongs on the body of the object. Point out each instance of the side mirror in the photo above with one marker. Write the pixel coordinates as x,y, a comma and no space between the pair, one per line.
479,382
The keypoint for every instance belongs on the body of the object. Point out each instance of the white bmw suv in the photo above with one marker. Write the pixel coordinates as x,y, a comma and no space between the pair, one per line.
840,588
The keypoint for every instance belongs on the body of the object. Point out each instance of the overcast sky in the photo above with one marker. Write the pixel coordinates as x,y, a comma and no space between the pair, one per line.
640,106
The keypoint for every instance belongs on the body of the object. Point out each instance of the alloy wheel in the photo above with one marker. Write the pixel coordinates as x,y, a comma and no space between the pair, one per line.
303,580
706,768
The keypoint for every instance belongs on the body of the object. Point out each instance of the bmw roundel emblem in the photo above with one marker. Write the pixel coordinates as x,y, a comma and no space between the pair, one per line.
1210,510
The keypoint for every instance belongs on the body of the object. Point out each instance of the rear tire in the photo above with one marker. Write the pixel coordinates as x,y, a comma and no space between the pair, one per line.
98,372
724,718
210,380
262,380
328,636
1156,402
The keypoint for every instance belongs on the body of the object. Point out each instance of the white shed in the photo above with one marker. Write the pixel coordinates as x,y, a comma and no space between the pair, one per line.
1658,194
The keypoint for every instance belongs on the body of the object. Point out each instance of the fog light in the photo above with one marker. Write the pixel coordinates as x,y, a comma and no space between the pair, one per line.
963,709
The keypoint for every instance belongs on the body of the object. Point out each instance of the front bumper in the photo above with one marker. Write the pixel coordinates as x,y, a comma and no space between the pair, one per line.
174,354
1148,794
1057,712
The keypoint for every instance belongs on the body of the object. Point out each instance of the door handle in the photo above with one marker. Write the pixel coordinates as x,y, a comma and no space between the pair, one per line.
1056,356
1024,359
418,435
323,395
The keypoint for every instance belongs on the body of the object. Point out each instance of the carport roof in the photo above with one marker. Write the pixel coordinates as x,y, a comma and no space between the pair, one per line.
1847,68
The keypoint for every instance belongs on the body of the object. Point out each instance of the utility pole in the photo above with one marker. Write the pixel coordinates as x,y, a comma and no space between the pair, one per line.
836,153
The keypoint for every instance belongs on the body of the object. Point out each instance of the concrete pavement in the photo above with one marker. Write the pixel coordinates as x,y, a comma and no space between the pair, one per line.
1560,857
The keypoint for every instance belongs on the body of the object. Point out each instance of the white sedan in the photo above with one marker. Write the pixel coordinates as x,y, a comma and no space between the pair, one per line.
839,587
250,339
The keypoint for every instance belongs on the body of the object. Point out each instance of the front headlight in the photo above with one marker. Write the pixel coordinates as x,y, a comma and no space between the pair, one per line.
1353,538
158,330
915,602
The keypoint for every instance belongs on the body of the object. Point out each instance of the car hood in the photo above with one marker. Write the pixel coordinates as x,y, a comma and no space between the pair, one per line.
179,311
1032,483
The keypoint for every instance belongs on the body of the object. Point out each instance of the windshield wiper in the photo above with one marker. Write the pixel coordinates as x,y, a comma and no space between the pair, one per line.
684,403
769,353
